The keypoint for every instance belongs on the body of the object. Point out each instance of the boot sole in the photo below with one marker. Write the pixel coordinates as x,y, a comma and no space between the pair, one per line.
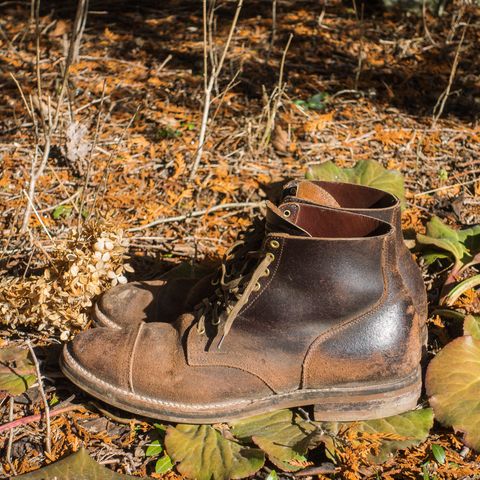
345,403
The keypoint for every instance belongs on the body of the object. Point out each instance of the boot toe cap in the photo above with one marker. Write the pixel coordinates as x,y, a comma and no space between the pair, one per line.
125,305
99,356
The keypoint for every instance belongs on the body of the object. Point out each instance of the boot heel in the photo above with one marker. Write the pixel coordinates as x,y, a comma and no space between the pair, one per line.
356,405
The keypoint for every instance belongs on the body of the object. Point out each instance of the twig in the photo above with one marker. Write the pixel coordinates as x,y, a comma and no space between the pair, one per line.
274,28
10,437
209,87
32,206
48,444
82,12
49,125
362,41
425,26
115,418
277,96
198,213
90,154
37,417
442,100
447,187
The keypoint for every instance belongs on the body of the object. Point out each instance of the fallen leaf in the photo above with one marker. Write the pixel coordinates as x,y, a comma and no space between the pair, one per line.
280,139
202,453
413,427
365,172
453,385
17,371
77,466
61,28
462,245
471,326
282,435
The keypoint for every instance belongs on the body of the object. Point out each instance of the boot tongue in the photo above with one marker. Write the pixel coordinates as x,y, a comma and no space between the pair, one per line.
310,192
276,222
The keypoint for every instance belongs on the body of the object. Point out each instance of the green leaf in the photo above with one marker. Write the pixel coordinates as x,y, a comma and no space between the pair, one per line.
272,475
453,386
431,257
412,426
77,466
365,172
462,245
202,453
154,449
458,290
17,371
316,102
439,453
282,435
62,211
163,464
471,326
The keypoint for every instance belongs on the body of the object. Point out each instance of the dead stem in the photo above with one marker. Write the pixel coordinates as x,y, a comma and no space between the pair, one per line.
199,213
48,444
208,91
10,436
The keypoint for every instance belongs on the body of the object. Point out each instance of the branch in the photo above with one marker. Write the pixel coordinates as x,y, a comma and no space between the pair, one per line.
37,417
48,441
209,87
199,213
50,125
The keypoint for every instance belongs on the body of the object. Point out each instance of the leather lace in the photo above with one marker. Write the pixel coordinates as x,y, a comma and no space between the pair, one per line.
238,277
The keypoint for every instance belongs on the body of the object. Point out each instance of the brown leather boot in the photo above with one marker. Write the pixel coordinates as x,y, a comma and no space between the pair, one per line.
165,298
318,315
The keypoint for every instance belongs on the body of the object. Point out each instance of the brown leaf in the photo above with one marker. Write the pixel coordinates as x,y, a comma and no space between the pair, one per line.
60,28
280,140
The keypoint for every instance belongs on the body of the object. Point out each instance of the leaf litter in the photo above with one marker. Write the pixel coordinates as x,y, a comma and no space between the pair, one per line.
138,172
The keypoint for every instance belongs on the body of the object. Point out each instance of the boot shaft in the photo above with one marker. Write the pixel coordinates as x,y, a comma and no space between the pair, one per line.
372,202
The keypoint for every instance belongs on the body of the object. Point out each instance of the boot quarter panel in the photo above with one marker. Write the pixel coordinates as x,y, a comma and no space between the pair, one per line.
314,286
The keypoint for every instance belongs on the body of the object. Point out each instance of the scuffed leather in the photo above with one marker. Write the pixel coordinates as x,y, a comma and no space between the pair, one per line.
382,345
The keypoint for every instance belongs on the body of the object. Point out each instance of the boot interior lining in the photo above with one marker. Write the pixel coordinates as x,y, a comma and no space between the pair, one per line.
326,223
357,196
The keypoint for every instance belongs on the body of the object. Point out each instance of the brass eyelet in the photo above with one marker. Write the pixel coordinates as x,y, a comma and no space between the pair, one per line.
271,256
257,287
214,282
274,243
287,213
217,322
267,272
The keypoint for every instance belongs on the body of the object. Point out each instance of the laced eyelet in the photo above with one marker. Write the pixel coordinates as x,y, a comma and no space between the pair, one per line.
257,287
274,243
216,322
271,256
201,331
287,213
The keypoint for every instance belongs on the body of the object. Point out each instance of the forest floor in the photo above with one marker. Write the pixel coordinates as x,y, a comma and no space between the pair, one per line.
127,137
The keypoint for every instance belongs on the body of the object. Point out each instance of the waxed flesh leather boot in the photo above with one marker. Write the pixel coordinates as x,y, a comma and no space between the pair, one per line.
163,299
318,315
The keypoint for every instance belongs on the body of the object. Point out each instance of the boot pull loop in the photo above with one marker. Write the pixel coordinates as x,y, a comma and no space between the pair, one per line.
310,192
